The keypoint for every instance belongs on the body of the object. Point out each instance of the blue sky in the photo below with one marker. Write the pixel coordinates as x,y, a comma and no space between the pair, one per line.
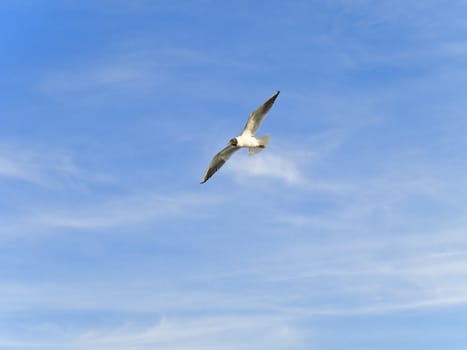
349,231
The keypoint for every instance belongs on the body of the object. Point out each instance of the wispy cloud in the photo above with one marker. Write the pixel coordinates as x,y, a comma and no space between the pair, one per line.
177,333
267,165
379,275
126,210
136,210
391,242
291,170
39,165
234,332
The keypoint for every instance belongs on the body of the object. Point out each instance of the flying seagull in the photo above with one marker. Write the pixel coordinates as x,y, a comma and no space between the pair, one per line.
246,139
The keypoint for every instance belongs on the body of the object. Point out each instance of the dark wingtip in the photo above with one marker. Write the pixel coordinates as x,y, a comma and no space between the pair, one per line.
273,97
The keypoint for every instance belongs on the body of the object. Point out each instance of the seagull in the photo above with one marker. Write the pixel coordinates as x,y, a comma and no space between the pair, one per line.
246,139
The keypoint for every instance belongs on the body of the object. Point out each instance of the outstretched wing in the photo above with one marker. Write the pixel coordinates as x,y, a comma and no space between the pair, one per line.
218,161
257,116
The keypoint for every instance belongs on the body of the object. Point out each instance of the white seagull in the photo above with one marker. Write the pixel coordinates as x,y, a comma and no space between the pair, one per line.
246,139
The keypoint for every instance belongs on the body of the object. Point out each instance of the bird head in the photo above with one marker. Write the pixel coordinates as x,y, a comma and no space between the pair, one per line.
233,142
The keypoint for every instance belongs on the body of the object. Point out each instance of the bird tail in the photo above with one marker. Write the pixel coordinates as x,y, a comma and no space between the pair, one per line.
263,142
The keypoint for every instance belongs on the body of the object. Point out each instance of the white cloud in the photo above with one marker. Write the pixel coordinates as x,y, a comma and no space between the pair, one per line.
92,214
38,165
229,332
379,273
396,241
294,168
269,165
210,333
132,209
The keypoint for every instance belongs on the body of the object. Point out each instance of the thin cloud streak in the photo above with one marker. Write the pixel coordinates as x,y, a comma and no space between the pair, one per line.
176,333
120,212
382,274
41,166
206,333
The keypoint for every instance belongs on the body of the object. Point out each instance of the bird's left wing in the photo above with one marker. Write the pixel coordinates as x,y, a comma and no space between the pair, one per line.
218,161
257,116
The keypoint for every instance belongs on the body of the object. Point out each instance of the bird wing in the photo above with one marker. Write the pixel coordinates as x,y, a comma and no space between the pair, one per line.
257,116
218,161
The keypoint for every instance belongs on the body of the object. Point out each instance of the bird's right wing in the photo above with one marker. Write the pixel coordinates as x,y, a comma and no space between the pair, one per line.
257,116
218,161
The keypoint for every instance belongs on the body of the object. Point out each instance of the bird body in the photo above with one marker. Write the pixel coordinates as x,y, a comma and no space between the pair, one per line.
246,139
